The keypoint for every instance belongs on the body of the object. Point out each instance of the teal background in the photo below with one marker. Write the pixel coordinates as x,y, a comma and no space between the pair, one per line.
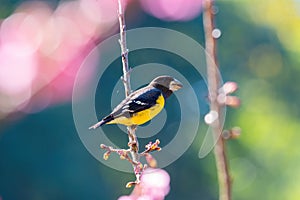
42,157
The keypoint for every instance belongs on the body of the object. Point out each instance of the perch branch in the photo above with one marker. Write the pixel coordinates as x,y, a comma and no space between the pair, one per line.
133,142
213,86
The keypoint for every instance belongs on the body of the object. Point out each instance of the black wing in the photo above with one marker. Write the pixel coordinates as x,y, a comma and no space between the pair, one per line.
144,101
138,101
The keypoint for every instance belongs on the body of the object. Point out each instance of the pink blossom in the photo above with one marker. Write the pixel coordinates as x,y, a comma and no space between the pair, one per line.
173,10
125,198
154,185
41,50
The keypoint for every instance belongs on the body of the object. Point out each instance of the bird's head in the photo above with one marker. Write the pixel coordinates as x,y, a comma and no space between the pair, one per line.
167,82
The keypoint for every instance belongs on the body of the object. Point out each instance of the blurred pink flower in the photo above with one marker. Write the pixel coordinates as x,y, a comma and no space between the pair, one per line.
41,50
125,198
154,185
173,10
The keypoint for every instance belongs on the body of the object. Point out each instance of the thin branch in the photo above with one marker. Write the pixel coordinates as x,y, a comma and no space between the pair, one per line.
133,142
122,153
213,86
124,50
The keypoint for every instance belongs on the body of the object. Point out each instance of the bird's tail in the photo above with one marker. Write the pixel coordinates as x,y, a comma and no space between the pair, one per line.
102,122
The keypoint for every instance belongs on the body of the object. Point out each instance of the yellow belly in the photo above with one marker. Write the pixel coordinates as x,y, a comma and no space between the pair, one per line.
142,116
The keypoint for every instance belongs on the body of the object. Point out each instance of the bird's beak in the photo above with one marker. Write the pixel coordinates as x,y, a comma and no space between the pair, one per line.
175,85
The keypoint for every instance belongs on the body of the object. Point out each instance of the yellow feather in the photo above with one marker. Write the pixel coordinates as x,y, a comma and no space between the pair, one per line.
142,116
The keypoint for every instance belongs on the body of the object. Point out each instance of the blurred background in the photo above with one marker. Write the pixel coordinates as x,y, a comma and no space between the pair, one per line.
43,44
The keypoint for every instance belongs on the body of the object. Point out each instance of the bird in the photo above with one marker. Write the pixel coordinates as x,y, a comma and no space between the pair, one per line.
142,105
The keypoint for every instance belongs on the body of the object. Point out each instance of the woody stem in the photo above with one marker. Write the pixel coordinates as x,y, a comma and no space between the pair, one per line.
213,85
133,142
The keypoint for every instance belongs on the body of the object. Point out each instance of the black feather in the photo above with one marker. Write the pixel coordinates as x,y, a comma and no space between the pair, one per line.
144,101
102,122
136,102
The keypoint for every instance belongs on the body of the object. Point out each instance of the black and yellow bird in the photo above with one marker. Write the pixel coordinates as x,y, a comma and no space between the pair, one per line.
142,105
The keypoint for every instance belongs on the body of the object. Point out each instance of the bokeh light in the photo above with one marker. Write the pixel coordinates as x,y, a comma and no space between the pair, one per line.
42,48
173,10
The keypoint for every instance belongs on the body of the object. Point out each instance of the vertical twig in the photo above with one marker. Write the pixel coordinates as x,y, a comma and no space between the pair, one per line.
124,50
133,142
213,86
